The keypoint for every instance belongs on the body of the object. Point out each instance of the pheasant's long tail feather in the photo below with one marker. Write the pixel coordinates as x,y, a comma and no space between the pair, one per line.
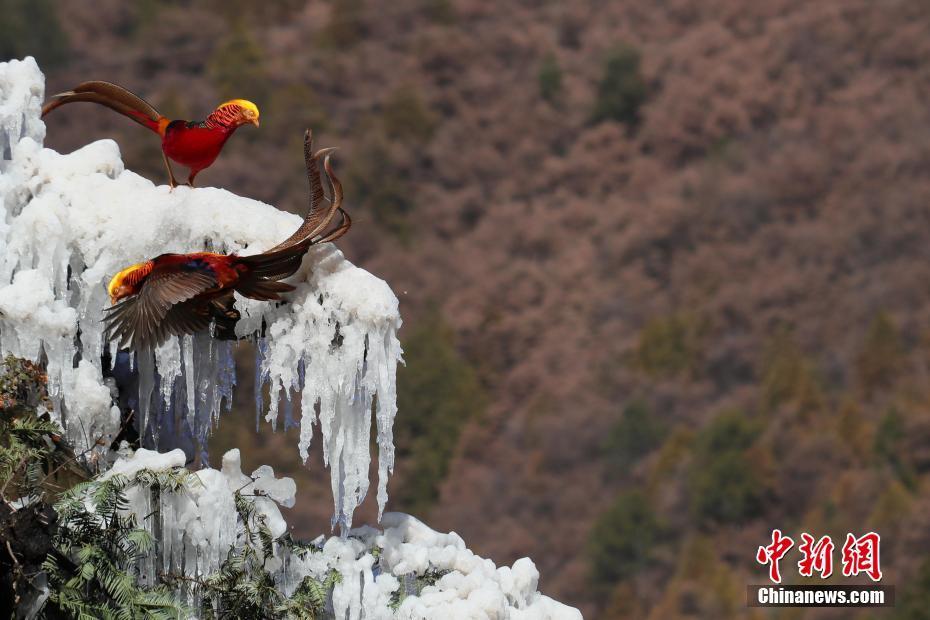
264,290
321,210
274,265
344,225
265,269
114,97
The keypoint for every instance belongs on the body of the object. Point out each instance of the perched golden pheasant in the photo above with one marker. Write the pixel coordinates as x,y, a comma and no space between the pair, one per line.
190,143
182,293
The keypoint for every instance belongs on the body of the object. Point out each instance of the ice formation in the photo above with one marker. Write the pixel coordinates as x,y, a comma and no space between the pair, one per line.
199,526
69,222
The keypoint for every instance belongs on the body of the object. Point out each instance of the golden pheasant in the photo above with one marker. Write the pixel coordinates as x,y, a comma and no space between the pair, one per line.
190,143
182,293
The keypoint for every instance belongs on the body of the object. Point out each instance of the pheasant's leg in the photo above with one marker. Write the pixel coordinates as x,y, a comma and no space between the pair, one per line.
171,180
225,317
190,179
225,306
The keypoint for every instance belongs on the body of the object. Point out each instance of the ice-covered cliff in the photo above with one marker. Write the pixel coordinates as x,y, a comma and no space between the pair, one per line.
69,222
405,570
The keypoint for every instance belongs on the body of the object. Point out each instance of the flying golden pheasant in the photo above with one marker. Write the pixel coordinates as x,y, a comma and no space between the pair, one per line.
182,293
190,143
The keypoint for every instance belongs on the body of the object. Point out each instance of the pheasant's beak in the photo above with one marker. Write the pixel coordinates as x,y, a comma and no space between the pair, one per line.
254,121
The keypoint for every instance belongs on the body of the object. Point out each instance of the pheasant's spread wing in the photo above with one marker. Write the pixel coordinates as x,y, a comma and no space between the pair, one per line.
164,306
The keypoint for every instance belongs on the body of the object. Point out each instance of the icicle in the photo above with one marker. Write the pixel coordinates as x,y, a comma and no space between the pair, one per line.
388,352
146,368
309,401
261,347
201,379
227,372
288,410
190,382
274,398
168,362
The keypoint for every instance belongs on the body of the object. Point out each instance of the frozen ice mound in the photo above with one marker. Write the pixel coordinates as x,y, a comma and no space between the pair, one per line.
70,221
382,571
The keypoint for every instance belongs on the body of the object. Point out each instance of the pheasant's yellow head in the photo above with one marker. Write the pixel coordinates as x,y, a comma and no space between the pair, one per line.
128,281
237,112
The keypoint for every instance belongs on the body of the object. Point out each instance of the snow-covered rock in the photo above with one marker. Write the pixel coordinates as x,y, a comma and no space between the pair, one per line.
68,222
379,569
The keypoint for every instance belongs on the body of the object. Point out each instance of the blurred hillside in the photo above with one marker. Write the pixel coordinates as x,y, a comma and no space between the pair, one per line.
663,265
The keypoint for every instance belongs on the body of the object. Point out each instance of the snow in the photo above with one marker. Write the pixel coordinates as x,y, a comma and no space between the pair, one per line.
68,222
282,490
22,90
473,588
201,525
144,459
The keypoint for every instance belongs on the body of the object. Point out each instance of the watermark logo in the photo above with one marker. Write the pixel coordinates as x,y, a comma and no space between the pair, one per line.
773,553
818,557
859,555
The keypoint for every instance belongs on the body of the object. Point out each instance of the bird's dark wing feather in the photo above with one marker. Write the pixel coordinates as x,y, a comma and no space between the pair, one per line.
163,307
187,317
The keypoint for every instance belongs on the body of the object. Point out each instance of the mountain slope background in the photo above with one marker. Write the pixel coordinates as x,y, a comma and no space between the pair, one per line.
663,266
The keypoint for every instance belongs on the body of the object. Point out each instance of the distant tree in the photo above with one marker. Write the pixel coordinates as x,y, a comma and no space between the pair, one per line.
852,428
726,485
174,104
31,28
261,12
674,451
882,355
571,29
704,584
440,11
623,539
237,66
889,446
406,117
788,376
346,26
669,346
892,508
914,602
622,89
550,79
636,434
378,184
438,390
293,105
731,430
726,489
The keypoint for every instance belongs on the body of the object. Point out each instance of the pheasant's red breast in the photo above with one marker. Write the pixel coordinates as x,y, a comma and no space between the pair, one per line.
195,145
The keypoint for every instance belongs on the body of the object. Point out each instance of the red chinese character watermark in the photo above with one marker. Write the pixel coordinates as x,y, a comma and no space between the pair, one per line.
861,555
774,552
817,556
